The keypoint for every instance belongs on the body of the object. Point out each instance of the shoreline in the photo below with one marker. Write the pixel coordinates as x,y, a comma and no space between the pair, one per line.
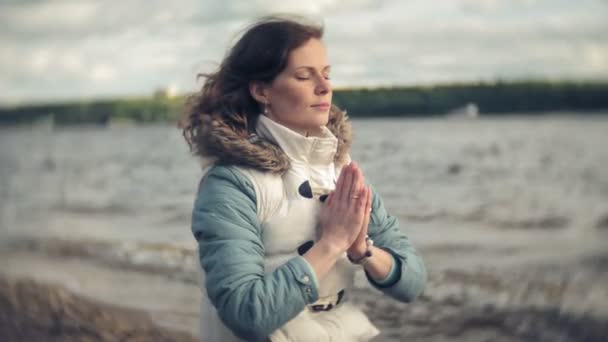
71,299
34,311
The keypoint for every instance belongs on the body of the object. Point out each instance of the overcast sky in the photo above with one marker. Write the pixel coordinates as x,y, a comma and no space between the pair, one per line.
69,49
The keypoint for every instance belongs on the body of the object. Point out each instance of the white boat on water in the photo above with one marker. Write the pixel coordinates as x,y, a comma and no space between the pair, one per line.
468,111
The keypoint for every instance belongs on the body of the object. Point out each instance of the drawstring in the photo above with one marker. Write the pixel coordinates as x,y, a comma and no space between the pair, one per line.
252,135
253,138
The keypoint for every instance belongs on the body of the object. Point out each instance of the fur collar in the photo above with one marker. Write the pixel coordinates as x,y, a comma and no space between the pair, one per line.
222,143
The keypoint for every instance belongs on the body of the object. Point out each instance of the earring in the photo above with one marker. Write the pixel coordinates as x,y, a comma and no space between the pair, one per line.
266,111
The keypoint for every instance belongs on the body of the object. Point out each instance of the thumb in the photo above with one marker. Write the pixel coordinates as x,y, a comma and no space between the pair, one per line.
328,201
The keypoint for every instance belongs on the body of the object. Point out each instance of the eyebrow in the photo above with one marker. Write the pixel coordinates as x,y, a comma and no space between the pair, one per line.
313,68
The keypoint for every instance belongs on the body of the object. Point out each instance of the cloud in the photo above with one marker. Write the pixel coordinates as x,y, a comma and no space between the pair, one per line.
101,48
103,73
449,42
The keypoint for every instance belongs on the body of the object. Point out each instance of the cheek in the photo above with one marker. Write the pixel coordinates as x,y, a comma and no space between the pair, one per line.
294,95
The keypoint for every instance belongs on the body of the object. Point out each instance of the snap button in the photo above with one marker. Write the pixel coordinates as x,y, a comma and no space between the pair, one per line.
307,289
305,279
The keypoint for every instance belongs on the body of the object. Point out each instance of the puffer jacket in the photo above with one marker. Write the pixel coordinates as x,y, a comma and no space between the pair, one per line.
256,214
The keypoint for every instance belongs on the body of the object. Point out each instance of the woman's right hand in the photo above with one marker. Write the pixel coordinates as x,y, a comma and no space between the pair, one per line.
343,213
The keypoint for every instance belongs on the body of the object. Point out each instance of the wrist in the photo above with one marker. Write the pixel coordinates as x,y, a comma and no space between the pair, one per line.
357,251
331,248
363,256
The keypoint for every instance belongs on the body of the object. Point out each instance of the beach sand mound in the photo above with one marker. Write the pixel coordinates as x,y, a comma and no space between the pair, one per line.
30,311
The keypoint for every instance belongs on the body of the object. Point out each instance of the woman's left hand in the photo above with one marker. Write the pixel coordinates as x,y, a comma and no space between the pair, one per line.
358,248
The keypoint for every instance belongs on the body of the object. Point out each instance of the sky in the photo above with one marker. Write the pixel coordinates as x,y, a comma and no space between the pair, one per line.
54,50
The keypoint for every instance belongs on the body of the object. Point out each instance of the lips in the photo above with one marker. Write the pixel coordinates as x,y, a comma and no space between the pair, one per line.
321,105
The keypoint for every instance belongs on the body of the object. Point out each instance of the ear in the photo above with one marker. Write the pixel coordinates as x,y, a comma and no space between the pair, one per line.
259,92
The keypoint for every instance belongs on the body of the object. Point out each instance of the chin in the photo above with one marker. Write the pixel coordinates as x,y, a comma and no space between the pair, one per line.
324,119
321,122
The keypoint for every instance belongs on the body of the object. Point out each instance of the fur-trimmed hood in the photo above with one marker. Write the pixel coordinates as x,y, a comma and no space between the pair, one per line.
220,142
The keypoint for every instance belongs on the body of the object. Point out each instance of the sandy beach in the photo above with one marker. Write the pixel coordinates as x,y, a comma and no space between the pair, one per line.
90,298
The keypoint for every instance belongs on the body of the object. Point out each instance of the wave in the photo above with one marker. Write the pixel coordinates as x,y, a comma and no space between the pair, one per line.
602,222
174,261
543,221
88,208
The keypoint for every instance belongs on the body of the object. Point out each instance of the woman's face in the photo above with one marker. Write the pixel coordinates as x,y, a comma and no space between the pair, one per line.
300,96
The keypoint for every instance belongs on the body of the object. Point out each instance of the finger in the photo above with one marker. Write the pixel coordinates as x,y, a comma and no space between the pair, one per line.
365,197
328,201
368,209
364,226
369,198
360,188
339,184
346,184
360,204
353,186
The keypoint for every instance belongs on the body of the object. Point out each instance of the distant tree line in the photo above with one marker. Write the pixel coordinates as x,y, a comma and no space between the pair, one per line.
530,97
491,98
96,112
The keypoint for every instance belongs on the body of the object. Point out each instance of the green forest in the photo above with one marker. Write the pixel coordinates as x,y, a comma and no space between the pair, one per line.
496,98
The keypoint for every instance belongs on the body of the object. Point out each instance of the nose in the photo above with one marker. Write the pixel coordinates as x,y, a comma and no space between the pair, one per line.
323,86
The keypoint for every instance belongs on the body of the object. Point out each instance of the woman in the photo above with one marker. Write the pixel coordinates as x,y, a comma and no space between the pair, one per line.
283,218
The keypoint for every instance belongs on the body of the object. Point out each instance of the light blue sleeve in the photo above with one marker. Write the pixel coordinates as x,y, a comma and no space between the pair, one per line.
392,277
250,302
409,279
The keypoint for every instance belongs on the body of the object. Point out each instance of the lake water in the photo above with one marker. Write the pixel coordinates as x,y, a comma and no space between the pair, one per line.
512,192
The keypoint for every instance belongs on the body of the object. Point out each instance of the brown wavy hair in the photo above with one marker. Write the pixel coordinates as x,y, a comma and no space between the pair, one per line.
260,54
